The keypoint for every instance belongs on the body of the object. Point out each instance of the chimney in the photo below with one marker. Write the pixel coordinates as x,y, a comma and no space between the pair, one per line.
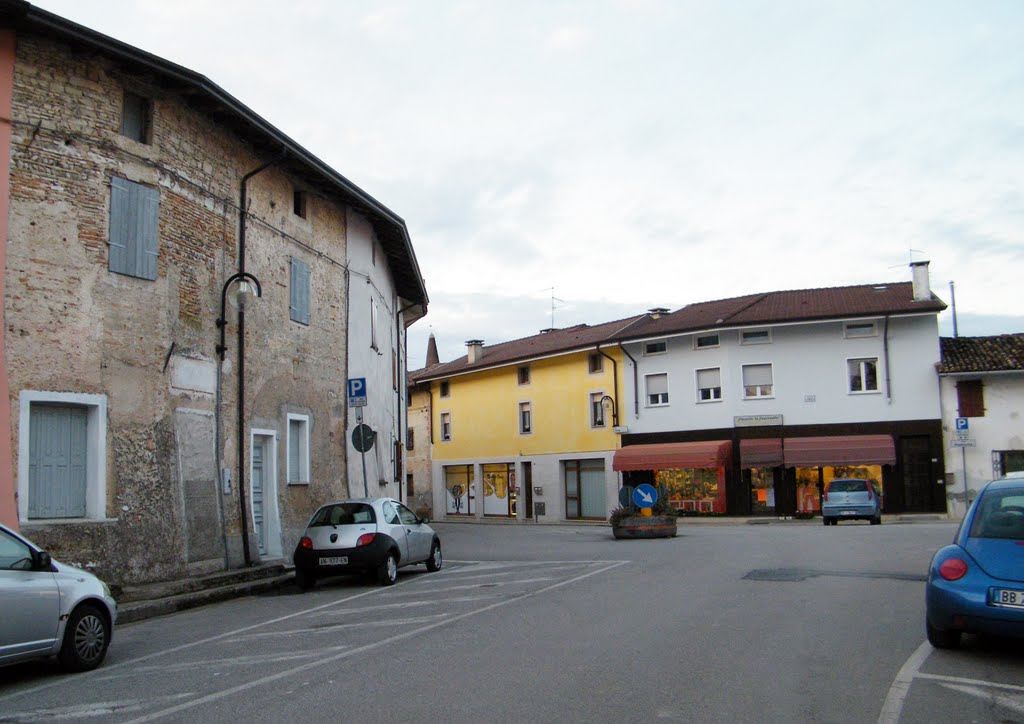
656,312
432,358
922,291
474,350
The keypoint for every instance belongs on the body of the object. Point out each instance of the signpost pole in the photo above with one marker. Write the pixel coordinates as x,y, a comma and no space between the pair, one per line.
963,462
362,439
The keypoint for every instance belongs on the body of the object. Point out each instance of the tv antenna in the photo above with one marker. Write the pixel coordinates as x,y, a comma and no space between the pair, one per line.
553,307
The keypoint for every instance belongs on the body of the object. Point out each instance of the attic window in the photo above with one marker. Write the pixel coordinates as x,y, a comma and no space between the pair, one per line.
860,329
299,204
136,117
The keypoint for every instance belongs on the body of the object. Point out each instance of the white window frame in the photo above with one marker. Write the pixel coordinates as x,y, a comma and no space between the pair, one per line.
698,337
445,416
857,330
696,378
524,406
96,450
600,363
764,336
863,376
303,443
647,395
759,395
648,345
595,406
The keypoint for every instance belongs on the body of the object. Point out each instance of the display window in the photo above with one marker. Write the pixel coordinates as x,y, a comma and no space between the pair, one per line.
762,491
698,490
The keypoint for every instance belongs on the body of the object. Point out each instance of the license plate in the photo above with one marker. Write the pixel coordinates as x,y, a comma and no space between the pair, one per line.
848,512
334,561
1007,597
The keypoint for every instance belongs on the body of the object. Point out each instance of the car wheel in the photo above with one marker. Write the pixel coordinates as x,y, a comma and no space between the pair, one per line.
877,520
387,574
304,580
86,638
942,639
435,561
825,521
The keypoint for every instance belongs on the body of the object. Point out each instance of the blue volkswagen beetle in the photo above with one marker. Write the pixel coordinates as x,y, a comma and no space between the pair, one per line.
976,585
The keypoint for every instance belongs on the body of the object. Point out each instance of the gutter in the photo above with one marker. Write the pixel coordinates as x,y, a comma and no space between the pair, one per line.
885,352
636,383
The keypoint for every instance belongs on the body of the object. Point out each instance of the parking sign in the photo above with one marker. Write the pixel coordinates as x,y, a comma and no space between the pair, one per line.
357,392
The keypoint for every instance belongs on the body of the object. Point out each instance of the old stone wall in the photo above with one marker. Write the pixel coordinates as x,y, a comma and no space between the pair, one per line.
73,326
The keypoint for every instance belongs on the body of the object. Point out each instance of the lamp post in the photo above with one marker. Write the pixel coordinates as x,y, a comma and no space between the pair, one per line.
242,296
609,402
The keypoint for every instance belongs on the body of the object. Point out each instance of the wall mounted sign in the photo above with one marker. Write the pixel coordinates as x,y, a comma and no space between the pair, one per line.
756,420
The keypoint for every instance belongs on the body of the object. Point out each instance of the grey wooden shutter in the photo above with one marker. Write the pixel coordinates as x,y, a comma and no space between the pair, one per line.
134,229
299,297
294,448
57,459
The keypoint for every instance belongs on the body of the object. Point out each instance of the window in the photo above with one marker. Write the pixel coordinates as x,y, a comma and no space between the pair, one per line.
755,336
657,389
62,455
373,326
446,426
298,301
970,398
757,381
525,418
410,489
407,516
595,362
299,204
585,489
859,329
445,388
660,347
524,375
863,374
1010,461
136,117
410,439
399,459
394,370
458,485
298,449
596,409
709,384
14,555
134,229
705,341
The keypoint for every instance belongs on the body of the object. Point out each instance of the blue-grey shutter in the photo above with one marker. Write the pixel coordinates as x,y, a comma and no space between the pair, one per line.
57,461
299,297
134,228
294,446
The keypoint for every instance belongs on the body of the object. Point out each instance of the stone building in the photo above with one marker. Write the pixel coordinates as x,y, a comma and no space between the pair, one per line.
179,312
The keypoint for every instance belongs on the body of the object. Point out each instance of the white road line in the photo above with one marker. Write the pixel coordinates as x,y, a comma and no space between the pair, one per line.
362,649
470,586
326,628
82,711
404,604
893,705
227,661
1013,703
969,682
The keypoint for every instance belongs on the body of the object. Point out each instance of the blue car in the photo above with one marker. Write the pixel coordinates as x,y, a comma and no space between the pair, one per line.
851,499
976,585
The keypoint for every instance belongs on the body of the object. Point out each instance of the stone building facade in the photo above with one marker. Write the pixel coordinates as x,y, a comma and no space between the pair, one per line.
128,176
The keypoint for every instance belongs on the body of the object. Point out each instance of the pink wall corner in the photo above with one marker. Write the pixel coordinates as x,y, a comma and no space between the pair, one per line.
8,489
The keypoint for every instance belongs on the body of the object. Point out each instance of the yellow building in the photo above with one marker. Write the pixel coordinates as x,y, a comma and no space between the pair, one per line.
527,429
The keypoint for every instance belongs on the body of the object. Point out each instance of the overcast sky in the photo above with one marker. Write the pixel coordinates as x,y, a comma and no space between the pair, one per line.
617,155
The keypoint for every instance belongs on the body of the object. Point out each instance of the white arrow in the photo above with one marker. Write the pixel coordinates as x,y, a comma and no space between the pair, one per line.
645,496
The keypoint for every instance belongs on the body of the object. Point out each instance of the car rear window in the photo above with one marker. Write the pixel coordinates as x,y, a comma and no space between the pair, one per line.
1000,514
848,486
344,514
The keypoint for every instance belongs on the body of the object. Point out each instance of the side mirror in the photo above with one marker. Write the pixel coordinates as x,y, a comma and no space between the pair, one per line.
424,520
43,561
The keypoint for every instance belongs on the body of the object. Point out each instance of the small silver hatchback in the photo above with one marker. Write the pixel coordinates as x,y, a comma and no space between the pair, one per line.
48,608
851,499
368,535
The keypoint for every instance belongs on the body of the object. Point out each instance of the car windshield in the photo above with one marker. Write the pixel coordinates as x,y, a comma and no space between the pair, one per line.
847,486
1000,514
344,514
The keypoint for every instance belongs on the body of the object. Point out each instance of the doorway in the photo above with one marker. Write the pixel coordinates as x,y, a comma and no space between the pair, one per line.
263,492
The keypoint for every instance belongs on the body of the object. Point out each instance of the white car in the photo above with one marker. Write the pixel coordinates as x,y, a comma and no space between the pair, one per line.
50,608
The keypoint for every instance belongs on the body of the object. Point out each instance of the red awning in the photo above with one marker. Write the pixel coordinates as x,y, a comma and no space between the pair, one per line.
762,453
673,455
810,452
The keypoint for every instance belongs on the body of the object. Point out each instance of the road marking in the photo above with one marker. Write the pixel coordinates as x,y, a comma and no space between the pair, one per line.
323,628
1014,703
82,711
258,683
229,661
969,682
469,586
893,705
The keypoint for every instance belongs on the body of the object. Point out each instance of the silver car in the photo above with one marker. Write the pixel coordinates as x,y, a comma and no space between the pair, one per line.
369,535
50,608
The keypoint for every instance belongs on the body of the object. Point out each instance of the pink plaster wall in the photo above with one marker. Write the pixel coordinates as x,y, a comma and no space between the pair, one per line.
8,503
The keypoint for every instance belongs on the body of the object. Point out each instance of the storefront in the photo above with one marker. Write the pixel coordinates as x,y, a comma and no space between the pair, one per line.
693,475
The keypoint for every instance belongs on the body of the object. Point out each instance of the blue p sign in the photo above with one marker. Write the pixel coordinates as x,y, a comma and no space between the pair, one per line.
961,423
357,392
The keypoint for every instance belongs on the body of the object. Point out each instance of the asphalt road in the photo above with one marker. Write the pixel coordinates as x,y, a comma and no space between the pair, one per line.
727,622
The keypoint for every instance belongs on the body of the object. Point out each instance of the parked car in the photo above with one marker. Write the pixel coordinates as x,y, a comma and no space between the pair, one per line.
50,608
976,584
370,535
851,499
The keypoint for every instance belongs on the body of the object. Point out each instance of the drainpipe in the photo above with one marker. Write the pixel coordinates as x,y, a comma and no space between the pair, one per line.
615,373
401,336
636,383
242,213
885,352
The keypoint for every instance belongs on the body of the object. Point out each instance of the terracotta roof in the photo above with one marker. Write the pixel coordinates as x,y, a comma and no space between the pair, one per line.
982,354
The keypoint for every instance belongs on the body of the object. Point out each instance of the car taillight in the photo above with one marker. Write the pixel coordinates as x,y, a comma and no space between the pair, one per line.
953,569
306,543
825,495
871,495
365,539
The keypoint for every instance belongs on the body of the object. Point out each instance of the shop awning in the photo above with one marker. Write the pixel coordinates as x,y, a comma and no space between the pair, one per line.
764,453
673,455
810,452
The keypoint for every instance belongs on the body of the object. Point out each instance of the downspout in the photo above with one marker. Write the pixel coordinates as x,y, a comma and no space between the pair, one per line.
615,378
402,342
242,213
885,352
636,383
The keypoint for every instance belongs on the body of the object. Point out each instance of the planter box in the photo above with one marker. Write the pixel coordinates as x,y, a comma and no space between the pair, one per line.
653,526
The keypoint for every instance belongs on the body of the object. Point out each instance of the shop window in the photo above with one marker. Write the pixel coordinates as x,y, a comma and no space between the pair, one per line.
657,389
499,483
757,381
585,490
458,489
595,362
863,374
693,490
709,384
970,398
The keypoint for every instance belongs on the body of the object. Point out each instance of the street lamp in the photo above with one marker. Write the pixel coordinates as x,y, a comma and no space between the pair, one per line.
243,295
608,402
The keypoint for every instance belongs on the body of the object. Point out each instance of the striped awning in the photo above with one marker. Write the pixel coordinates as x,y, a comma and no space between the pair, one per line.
674,455
761,453
809,452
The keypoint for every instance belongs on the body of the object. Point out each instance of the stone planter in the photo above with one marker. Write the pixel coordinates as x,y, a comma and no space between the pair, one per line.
652,526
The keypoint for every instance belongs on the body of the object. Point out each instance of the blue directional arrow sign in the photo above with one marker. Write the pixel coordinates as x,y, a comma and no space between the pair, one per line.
644,495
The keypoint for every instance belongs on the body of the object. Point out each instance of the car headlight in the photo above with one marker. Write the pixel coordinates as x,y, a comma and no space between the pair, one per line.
106,589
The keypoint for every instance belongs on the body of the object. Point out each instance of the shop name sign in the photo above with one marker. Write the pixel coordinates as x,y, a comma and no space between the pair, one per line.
756,420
